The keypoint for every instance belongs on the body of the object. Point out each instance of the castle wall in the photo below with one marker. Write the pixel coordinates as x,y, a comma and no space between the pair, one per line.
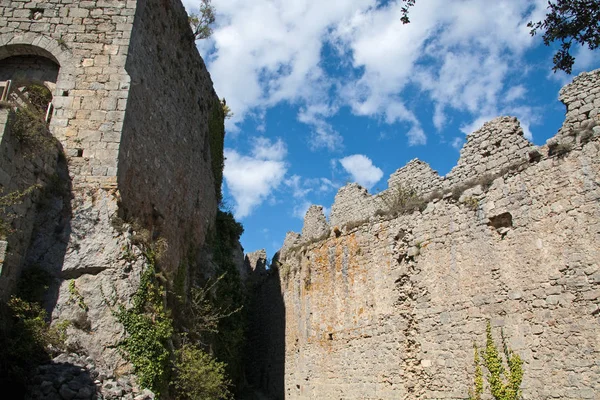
391,308
89,40
416,175
131,107
22,165
165,176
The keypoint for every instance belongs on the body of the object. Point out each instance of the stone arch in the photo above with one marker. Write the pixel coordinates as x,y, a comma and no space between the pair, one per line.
28,46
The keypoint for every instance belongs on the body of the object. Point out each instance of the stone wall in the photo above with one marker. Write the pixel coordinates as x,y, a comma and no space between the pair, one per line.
89,41
165,176
390,307
496,145
132,99
23,166
416,175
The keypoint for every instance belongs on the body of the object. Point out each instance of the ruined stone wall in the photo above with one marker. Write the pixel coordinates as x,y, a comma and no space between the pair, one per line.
131,105
390,308
416,175
165,176
89,40
24,168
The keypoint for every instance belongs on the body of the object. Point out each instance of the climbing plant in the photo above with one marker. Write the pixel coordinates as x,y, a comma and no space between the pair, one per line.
149,329
504,381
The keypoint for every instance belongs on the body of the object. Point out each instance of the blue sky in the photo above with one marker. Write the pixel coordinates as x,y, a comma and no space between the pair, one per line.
330,92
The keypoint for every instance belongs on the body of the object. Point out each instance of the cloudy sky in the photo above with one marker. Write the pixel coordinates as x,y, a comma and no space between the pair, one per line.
330,92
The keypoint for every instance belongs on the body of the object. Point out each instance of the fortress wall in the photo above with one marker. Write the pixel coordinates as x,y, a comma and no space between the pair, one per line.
352,203
149,131
90,41
582,101
19,171
416,175
165,176
390,309
498,144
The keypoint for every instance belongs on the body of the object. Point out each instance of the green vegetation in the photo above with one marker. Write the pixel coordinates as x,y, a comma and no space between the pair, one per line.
26,339
168,343
228,296
75,297
216,135
28,121
471,202
504,382
569,21
199,376
401,200
201,22
149,329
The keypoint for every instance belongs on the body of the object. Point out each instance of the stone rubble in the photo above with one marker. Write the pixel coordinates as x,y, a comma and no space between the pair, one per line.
72,376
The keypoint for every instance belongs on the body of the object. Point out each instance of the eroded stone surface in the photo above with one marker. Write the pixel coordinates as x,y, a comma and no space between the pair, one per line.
390,306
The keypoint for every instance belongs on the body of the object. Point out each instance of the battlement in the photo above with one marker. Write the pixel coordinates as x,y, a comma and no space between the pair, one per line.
497,148
392,300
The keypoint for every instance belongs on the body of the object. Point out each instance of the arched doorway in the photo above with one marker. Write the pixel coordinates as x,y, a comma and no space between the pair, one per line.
28,74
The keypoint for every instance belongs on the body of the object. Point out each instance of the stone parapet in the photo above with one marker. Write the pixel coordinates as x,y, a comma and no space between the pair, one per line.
390,307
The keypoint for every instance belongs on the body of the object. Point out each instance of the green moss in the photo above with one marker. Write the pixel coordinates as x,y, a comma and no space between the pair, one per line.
216,134
228,295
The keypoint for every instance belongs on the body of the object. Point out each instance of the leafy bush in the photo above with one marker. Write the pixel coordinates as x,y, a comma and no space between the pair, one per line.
28,123
199,376
26,341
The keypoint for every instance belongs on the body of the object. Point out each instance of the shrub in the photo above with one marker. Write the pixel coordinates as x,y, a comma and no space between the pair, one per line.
559,149
28,123
26,341
401,200
199,376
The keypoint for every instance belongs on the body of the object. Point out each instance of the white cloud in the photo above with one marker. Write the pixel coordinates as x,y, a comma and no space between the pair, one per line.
515,93
302,187
251,179
323,134
362,170
459,53
301,209
477,123
457,143
298,190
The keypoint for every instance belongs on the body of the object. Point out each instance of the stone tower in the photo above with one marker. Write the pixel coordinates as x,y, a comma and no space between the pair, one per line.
132,103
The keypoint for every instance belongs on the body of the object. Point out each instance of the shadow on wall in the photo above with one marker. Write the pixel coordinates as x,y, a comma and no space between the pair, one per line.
52,231
30,155
265,352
